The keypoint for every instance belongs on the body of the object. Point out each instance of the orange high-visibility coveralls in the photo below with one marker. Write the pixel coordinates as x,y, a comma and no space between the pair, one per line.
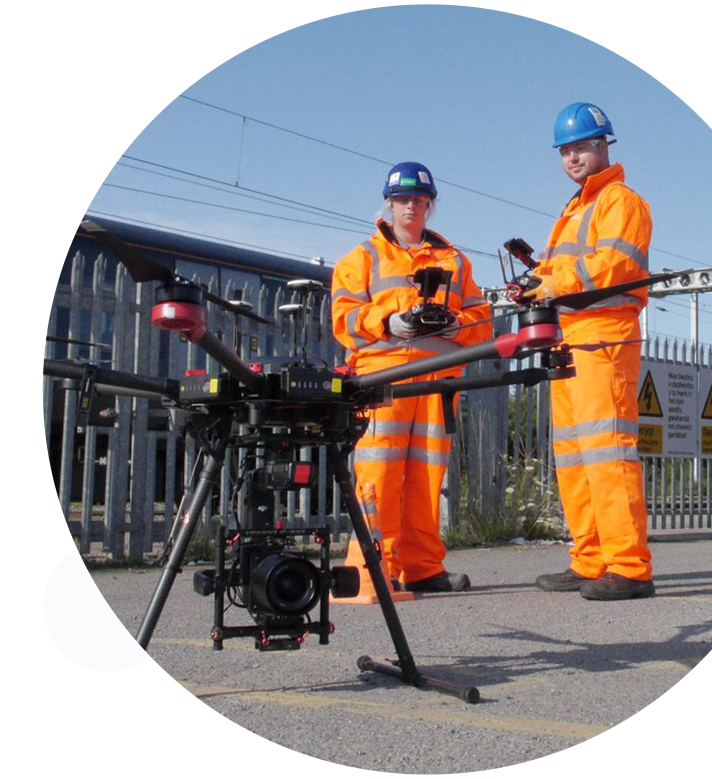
601,239
405,450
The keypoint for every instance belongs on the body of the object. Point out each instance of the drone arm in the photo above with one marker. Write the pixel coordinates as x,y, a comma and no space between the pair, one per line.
228,358
527,376
115,382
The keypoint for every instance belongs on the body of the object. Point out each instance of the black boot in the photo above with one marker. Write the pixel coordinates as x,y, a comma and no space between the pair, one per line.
568,581
441,582
613,586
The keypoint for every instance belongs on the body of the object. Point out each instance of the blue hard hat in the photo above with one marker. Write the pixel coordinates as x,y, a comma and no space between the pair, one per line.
408,177
579,121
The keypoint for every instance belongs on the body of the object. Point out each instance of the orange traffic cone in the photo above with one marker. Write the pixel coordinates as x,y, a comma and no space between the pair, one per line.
354,555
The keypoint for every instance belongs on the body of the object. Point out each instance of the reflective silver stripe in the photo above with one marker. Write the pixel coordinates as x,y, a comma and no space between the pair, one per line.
425,456
469,302
364,297
456,287
624,247
388,426
370,509
582,234
351,318
612,425
364,454
609,454
430,430
371,249
569,249
390,282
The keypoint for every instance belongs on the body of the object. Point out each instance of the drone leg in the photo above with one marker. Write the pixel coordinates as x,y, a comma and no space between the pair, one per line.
208,476
406,669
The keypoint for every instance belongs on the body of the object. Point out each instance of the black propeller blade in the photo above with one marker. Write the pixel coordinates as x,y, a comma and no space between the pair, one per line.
235,308
579,300
142,268
59,340
600,345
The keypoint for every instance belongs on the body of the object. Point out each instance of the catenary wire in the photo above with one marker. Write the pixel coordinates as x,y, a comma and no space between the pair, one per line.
230,208
233,191
345,149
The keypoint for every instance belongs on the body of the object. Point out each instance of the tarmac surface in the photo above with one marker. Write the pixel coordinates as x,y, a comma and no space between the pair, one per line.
553,669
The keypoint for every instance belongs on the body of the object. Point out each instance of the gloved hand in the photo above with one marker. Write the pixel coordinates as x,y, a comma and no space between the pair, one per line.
398,327
546,288
454,322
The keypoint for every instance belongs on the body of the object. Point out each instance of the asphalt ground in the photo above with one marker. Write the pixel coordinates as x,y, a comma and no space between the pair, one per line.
553,669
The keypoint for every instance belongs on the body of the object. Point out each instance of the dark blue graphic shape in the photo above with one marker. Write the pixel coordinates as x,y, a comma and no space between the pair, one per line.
75,635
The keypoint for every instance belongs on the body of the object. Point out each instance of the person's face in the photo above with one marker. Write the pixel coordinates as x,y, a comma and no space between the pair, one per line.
584,158
409,211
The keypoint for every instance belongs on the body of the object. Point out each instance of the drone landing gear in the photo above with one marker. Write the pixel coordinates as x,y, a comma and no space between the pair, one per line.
403,669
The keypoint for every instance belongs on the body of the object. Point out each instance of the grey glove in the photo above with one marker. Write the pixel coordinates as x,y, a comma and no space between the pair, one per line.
399,328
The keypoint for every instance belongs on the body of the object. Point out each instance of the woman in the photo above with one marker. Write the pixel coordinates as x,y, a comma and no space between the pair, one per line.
405,451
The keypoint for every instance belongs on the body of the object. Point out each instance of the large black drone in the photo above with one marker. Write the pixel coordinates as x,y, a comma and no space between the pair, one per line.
270,416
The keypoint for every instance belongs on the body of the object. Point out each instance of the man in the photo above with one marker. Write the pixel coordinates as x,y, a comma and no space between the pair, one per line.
405,450
600,239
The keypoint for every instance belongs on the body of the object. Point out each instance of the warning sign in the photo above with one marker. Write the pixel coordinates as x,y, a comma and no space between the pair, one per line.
650,439
705,412
707,408
669,407
648,401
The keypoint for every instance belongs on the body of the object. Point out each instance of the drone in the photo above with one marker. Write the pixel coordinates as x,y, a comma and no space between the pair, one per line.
270,415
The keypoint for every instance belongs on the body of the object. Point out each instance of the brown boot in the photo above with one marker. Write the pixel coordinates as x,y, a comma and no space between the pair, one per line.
568,581
613,586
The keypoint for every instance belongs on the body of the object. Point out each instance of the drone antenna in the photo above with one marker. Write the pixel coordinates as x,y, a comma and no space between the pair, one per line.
501,264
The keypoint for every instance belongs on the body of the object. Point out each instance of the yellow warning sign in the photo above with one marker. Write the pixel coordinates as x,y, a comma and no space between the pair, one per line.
648,401
707,410
706,440
650,439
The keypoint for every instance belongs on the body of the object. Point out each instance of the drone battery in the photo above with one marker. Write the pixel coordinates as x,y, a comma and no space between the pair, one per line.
201,386
311,384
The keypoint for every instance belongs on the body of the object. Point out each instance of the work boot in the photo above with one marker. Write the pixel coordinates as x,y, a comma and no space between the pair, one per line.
568,581
613,586
441,582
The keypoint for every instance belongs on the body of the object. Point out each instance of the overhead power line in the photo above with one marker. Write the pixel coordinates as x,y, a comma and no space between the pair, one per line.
345,149
231,208
281,128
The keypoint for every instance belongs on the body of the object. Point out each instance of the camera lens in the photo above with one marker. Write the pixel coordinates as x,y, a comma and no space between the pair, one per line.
283,584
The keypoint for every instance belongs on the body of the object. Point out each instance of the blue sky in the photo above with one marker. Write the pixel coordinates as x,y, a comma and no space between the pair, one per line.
472,93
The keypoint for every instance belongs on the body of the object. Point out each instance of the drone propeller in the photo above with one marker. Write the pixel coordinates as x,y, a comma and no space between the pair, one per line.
141,268
59,340
579,300
601,345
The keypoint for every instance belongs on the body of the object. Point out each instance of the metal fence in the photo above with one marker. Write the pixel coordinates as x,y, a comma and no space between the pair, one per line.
678,488
120,480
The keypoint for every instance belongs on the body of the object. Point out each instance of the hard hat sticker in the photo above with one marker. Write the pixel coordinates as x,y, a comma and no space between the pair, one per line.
394,179
598,115
407,182
423,176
